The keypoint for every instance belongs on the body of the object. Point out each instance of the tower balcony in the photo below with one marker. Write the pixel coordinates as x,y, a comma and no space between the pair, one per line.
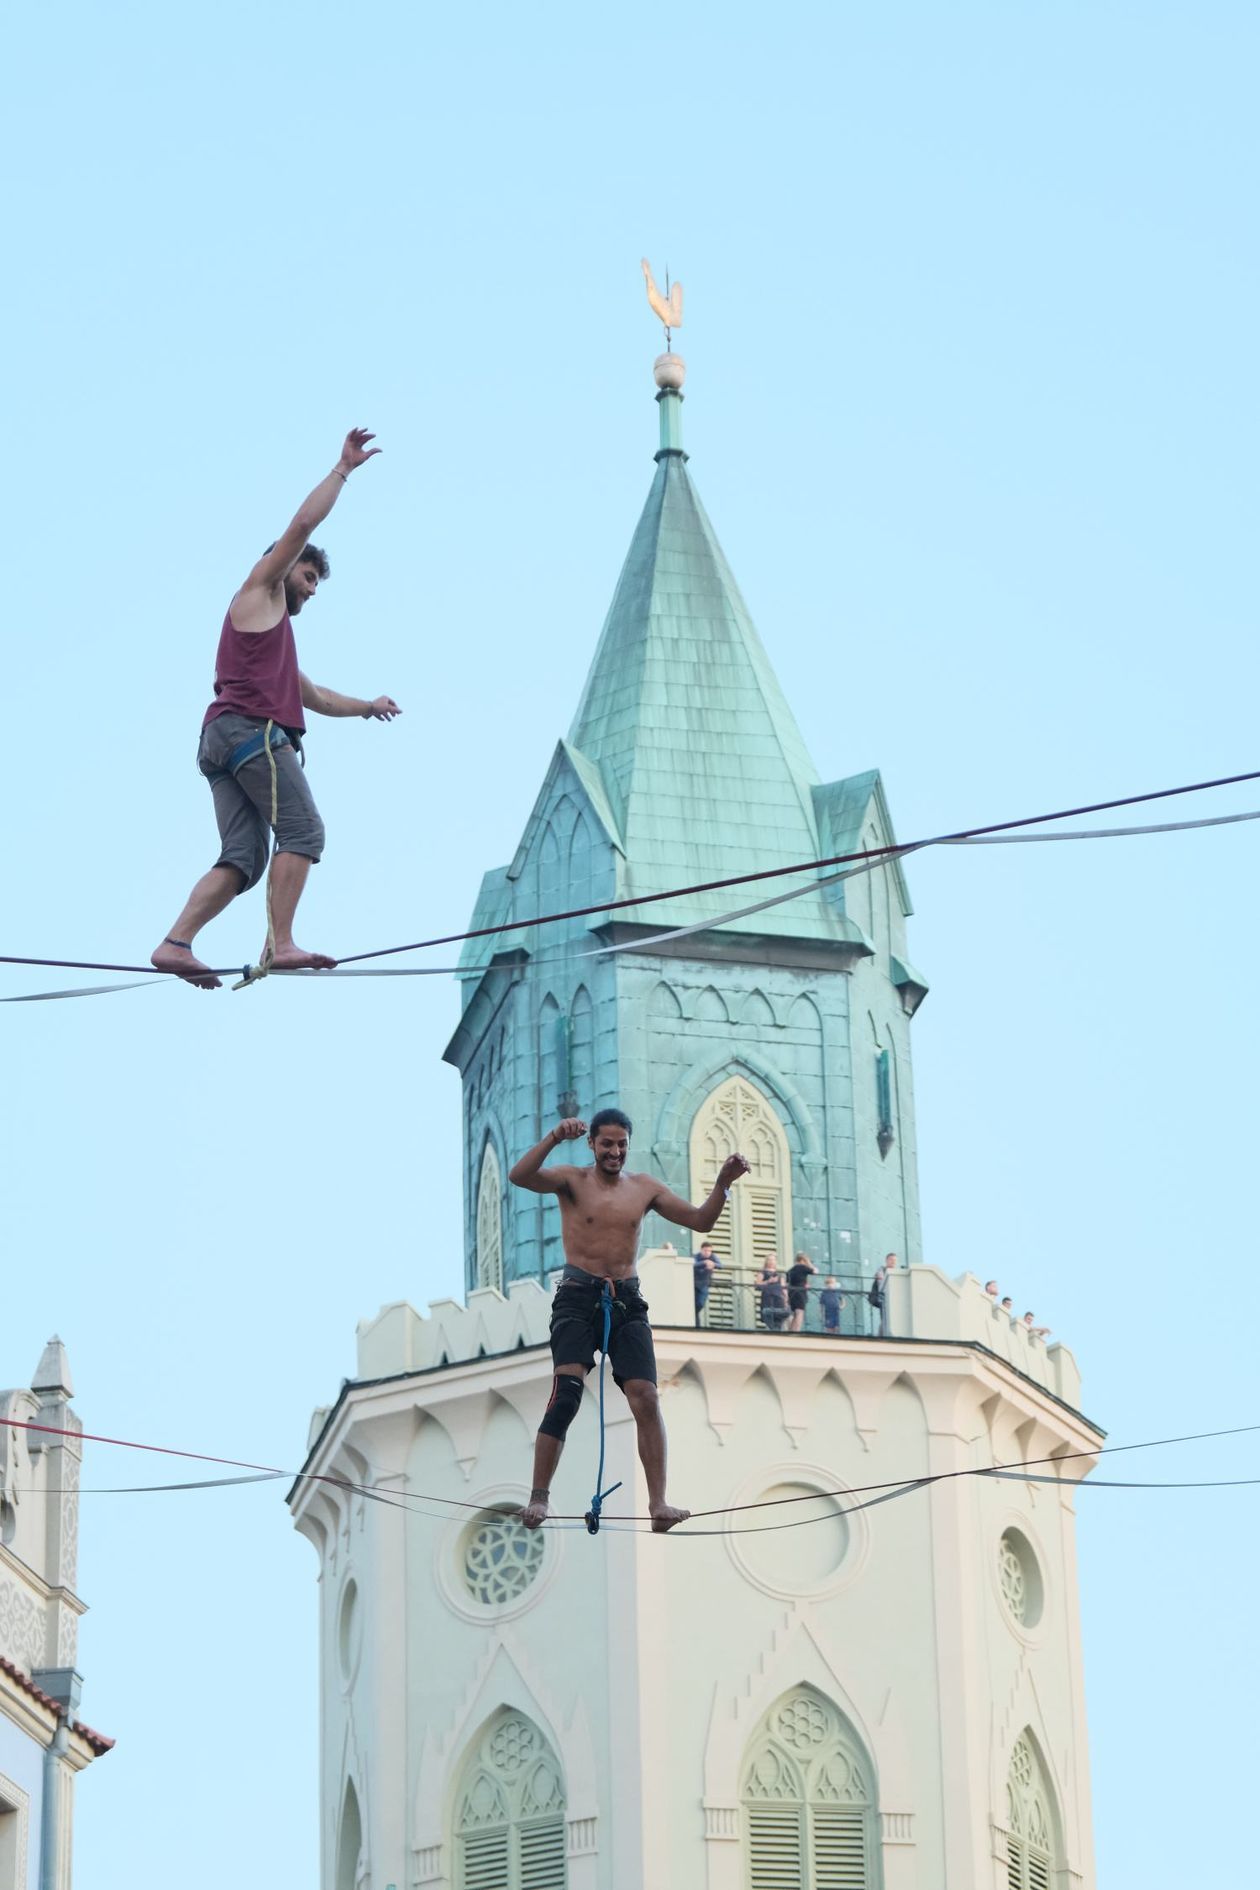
923,1307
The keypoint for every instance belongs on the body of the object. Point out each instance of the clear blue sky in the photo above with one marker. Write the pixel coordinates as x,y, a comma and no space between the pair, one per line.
971,332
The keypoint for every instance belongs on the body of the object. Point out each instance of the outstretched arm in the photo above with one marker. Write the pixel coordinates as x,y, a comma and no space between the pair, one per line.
702,1219
275,565
529,1171
328,702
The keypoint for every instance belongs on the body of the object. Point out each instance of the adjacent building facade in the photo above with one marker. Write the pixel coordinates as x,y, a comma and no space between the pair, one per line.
42,1743
859,1667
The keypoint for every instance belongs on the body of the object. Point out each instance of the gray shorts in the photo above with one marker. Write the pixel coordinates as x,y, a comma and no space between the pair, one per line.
242,795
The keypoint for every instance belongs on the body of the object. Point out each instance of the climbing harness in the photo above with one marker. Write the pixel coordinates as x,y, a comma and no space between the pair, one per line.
591,1518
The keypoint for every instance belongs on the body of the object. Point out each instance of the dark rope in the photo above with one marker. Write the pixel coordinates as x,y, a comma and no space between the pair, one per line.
892,851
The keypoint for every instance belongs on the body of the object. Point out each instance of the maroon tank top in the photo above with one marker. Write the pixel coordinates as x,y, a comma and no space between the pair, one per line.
258,675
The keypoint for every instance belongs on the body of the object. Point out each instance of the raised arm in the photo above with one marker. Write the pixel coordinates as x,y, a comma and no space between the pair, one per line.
275,565
328,702
701,1219
529,1171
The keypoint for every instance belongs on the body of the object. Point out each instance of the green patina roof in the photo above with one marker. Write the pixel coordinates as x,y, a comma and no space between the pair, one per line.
685,749
842,808
703,763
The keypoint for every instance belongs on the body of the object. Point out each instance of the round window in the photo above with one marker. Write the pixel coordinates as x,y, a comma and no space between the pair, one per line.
349,1631
1019,1578
500,1559
795,1559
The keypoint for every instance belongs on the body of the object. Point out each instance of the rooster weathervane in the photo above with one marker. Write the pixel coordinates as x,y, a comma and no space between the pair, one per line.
669,307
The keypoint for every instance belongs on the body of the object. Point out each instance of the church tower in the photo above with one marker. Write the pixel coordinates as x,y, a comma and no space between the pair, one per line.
859,1666
784,1032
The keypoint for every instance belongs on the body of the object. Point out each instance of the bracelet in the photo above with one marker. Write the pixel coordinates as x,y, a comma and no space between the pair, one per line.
344,477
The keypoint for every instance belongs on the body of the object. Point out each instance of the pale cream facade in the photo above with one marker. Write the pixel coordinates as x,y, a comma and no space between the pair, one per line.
883,1699
42,1744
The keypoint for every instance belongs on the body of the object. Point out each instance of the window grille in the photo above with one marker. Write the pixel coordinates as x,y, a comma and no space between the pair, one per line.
1029,1837
510,1830
809,1801
490,1221
501,1559
1011,1577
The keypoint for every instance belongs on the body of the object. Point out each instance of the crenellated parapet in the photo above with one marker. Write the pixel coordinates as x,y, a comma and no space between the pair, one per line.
924,1304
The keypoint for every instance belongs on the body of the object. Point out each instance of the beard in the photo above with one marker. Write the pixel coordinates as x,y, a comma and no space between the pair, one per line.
293,602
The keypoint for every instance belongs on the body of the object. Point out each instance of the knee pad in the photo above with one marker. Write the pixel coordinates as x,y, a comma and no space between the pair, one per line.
563,1406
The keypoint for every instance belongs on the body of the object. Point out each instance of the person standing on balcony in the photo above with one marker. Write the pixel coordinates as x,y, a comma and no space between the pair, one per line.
798,1290
703,1264
774,1299
878,1294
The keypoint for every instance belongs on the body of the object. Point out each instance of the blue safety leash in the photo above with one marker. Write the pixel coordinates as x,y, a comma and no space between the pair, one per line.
597,1501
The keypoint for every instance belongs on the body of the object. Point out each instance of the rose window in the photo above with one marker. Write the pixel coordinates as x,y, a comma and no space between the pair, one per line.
1011,1577
802,1722
513,1745
501,1560
1019,1579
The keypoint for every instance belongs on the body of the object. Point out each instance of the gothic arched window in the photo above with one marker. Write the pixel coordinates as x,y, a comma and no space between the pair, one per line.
582,1050
349,1841
509,1811
757,1219
810,1818
490,1222
1029,1835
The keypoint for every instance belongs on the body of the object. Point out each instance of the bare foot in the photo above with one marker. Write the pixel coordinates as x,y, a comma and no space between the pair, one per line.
293,958
537,1510
179,958
664,1516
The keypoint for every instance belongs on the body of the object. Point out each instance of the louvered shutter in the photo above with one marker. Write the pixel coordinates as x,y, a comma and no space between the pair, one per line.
542,1856
1038,1872
839,1850
774,1848
763,1206
757,1219
484,1860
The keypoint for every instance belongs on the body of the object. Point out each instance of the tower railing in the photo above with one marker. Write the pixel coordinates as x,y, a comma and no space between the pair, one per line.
738,1301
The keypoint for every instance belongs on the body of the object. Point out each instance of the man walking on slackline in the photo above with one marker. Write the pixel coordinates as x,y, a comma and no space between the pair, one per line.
259,698
601,1212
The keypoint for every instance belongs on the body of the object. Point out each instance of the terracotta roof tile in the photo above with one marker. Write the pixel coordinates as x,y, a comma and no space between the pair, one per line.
98,1742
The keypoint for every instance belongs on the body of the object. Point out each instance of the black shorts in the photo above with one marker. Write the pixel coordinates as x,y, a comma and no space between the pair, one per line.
798,1297
577,1326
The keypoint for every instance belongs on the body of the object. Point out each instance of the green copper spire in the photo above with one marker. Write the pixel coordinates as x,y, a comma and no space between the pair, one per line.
704,765
670,400
684,765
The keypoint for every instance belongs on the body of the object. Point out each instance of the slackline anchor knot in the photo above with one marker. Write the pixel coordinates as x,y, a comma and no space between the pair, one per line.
591,1518
253,974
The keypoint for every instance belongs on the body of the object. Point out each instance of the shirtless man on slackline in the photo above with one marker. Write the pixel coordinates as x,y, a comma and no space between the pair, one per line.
601,1211
260,699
